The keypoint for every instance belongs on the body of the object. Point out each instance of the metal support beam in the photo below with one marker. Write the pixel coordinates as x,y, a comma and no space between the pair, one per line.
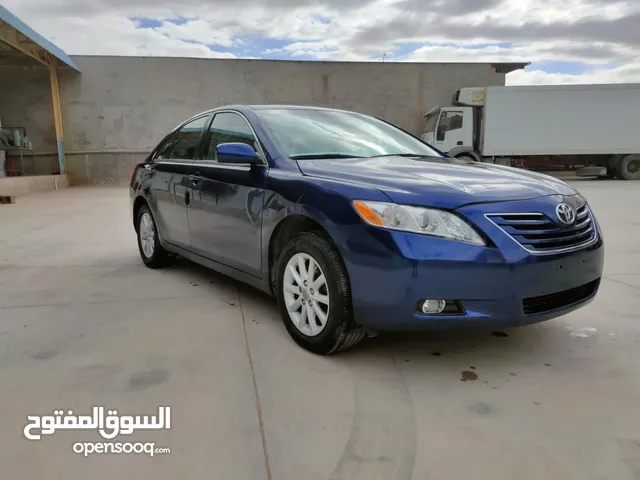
57,117
11,33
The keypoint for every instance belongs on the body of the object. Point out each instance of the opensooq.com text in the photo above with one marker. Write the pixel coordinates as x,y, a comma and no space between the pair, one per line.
91,448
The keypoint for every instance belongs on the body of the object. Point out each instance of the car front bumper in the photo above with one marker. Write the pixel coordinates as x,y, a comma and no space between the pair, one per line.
499,286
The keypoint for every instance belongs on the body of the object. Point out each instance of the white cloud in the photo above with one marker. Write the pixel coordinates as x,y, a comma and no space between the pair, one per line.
112,35
601,33
623,74
600,71
596,54
195,30
521,12
314,49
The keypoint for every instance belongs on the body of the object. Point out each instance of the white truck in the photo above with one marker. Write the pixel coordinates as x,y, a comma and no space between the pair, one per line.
595,126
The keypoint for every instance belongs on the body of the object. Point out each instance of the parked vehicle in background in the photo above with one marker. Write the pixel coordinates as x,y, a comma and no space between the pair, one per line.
357,226
592,125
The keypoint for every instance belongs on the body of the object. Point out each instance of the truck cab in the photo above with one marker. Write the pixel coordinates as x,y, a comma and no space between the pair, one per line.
455,130
449,128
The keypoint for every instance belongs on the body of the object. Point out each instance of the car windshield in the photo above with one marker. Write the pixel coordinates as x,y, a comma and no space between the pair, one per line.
309,133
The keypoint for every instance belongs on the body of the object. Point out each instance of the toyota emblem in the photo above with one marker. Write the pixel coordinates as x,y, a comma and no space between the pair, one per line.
566,214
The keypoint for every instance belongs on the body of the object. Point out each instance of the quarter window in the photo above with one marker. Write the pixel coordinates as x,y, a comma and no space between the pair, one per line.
185,143
227,128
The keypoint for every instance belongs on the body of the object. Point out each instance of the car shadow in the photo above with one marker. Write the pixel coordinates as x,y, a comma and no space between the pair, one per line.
532,344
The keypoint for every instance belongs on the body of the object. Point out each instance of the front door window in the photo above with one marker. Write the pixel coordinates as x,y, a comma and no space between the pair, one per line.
227,128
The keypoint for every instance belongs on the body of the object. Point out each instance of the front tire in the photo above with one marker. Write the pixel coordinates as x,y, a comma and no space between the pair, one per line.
314,295
151,252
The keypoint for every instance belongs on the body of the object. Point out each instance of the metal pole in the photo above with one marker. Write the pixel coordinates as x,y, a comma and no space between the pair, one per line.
57,117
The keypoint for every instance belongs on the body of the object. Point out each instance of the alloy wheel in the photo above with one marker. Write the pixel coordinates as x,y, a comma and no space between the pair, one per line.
306,294
147,235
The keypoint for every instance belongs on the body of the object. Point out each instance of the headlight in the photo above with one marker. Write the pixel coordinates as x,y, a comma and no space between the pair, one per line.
427,221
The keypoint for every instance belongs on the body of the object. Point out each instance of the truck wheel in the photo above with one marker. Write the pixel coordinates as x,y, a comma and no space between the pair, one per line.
314,295
613,165
466,157
629,167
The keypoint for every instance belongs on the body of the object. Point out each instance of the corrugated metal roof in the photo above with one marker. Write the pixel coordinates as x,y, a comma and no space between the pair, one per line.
35,37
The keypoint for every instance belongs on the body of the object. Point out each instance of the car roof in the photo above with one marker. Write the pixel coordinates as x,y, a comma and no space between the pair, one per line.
293,107
241,108
244,108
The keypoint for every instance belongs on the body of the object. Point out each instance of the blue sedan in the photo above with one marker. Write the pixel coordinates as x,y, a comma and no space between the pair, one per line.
357,226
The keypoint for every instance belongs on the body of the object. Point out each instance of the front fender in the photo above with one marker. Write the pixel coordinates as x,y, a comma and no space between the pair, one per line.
326,201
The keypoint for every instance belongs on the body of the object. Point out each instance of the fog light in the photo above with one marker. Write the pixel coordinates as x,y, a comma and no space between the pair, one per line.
433,306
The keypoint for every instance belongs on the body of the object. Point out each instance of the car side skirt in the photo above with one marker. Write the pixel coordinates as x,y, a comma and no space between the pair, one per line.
231,272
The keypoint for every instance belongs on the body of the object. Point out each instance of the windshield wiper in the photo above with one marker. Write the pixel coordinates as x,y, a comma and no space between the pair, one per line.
321,156
401,155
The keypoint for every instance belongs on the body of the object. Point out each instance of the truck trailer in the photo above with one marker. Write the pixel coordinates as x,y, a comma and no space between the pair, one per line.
596,127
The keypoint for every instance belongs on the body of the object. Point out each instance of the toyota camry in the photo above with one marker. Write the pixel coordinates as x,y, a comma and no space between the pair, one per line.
357,226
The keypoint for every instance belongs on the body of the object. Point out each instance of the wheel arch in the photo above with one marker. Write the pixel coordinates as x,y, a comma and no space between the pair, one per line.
456,152
284,231
138,203
321,204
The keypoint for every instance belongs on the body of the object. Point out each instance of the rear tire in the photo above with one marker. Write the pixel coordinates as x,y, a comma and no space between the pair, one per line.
151,252
629,167
298,302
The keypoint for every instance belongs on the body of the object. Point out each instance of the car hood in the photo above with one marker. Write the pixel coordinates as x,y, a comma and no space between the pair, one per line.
438,182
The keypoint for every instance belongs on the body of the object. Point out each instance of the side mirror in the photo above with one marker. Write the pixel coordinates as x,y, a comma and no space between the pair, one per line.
236,153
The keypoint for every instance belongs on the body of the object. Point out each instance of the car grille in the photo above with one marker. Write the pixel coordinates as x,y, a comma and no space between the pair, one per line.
546,303
538,234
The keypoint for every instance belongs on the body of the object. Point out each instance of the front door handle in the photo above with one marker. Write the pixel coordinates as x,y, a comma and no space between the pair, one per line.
195,179
459,142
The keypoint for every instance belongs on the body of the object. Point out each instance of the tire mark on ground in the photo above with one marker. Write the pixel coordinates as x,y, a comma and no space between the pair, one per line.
621,282
383,439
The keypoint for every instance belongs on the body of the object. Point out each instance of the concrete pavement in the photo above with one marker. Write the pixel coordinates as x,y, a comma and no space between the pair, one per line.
83,322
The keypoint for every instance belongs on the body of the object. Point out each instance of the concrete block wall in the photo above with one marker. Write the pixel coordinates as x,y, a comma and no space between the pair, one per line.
118,108
21,186
102,168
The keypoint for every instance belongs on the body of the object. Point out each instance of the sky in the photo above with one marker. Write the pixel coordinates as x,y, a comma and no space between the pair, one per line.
566,41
